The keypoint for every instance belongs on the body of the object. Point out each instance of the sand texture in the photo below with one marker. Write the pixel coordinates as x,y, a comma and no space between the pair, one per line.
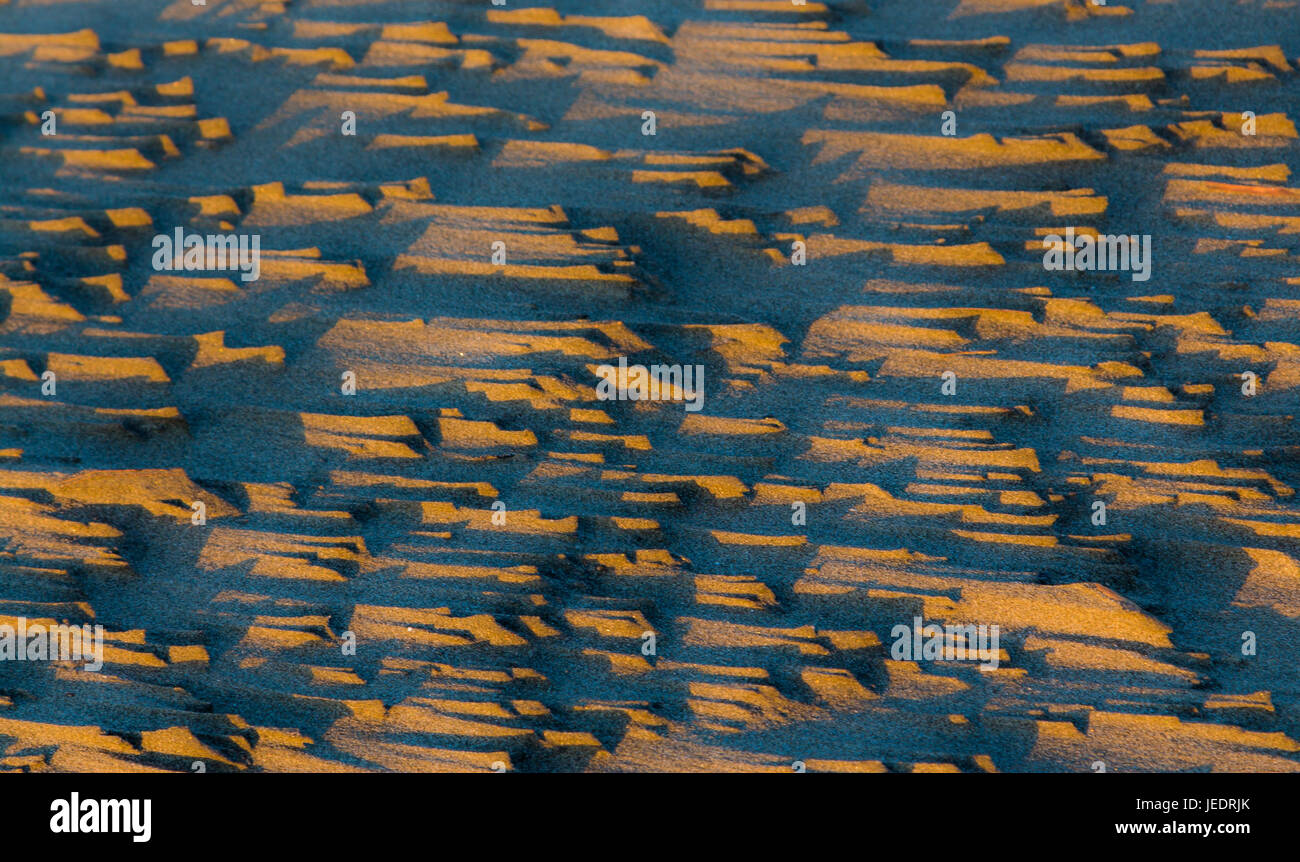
474,562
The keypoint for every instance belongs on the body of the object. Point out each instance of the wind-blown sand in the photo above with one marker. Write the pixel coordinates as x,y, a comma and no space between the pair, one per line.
495,540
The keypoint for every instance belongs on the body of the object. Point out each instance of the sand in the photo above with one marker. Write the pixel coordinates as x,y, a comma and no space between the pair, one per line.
370,510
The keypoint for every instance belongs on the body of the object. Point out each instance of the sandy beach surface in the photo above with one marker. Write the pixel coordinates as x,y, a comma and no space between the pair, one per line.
359,500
